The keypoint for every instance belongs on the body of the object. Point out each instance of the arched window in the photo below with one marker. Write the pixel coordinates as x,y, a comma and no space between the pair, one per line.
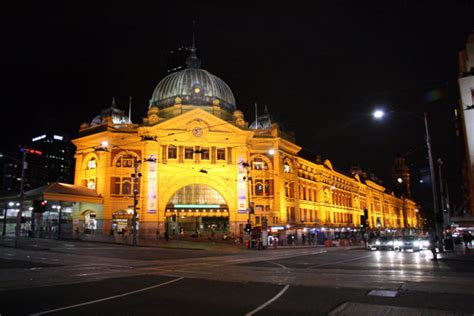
258,188
197,194
90,175
126,186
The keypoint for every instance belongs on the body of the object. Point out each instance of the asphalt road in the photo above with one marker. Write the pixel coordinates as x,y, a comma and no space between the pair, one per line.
78,278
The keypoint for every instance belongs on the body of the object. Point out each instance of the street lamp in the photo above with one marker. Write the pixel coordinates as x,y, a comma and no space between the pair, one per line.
378,114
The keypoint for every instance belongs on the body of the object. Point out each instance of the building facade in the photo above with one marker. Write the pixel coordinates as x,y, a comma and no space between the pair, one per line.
199,167
466,112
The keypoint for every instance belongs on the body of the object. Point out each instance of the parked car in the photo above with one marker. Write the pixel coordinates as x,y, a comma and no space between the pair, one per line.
407,243
381,243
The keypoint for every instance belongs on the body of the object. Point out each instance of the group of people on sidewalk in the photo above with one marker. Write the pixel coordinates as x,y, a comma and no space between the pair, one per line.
447,242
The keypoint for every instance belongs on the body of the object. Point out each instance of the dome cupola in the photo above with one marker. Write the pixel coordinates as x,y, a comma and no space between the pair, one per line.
263,121
115,115
193,86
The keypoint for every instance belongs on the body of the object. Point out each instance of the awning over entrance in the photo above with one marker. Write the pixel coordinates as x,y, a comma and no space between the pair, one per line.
60,192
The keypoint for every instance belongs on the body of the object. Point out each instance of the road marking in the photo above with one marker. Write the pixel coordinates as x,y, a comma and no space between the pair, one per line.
108,298
384,293
278,264
343,261
269,301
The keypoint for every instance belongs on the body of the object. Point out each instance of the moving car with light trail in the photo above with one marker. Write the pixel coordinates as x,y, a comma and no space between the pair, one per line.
407,243
381,243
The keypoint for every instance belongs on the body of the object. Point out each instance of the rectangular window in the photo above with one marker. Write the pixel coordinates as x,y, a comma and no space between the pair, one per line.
172,152
126,186
257,220
220,153
115,185
189,153
205,154
259,208
122,186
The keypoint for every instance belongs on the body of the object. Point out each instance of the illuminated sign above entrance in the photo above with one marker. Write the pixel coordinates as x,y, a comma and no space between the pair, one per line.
197,206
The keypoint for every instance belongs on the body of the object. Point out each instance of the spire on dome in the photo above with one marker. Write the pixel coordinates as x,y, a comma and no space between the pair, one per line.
193,60
263,121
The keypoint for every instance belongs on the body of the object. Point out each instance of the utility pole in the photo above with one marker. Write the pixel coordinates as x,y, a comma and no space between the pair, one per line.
22,196
439,230
135,201
441,193
60,218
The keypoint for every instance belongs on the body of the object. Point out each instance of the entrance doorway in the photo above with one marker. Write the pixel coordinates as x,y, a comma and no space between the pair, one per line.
197,210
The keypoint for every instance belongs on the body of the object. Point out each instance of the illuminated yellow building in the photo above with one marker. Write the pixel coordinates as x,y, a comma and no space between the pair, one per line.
202,167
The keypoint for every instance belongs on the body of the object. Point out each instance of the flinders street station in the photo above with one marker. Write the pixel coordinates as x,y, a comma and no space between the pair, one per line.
196,166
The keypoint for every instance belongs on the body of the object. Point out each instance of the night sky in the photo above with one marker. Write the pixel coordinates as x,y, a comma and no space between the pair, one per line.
320,69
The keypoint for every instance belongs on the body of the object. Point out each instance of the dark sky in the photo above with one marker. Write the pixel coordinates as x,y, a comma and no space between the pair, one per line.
320,69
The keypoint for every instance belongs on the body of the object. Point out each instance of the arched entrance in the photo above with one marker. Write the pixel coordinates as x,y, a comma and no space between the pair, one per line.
90,221
197,209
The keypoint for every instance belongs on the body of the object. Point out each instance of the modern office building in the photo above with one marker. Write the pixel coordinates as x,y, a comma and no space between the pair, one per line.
466,115
199,167
49,158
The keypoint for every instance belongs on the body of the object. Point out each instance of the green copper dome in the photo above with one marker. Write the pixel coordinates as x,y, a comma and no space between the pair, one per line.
194,86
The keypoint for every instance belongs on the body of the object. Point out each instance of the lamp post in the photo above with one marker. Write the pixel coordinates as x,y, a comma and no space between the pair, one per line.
378,114
22,196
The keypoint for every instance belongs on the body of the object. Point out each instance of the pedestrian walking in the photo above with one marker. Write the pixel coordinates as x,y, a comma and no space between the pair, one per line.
433,239
465,238
125,233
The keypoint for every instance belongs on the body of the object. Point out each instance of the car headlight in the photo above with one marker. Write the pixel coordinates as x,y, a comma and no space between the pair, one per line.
398,243
390,243
416,243
377,242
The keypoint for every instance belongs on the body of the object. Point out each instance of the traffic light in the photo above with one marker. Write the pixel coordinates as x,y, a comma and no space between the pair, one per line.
363,222
248,228
39,206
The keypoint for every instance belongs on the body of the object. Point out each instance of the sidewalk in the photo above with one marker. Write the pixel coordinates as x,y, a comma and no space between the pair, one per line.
208,245
459,253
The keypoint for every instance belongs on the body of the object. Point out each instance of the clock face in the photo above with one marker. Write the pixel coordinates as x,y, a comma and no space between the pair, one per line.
197,131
